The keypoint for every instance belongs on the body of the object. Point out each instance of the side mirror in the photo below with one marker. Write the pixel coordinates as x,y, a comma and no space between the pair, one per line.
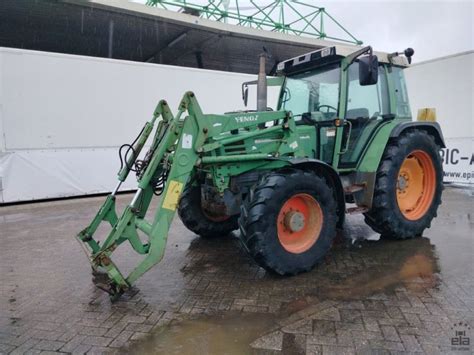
368,70
245,94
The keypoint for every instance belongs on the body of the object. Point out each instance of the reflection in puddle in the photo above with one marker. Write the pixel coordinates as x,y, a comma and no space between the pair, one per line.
229,334
351,273
389,264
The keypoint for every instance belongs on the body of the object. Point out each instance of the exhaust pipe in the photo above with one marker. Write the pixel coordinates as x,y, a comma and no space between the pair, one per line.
262,83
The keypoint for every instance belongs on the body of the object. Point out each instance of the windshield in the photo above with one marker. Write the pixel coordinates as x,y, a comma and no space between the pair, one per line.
312,91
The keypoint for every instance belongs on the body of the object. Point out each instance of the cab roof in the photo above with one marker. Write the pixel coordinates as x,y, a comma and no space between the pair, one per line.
332,54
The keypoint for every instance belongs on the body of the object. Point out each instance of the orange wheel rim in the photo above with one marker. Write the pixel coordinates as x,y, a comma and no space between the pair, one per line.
416,185
299,223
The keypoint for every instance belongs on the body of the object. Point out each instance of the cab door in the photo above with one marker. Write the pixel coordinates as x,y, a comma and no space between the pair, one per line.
366,108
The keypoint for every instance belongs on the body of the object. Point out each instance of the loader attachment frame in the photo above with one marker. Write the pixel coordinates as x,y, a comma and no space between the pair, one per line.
177,147
169,129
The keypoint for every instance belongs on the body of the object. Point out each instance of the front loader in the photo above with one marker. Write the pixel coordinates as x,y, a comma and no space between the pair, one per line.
341,140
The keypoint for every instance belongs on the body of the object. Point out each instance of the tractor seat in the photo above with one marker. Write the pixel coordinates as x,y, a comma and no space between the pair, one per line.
357,113
358,118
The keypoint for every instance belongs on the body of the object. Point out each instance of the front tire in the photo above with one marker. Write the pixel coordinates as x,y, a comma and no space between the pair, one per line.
408,187
207,224
288,224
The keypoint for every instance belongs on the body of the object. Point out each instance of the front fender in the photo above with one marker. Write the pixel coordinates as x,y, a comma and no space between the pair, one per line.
332,177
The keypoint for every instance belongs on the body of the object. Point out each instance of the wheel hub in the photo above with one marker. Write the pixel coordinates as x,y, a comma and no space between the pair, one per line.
299,223
402,183
294,221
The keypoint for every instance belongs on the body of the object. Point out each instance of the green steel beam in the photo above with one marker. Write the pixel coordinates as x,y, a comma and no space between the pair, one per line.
306,18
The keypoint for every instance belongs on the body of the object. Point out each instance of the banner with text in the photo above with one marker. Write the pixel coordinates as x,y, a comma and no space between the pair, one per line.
458,160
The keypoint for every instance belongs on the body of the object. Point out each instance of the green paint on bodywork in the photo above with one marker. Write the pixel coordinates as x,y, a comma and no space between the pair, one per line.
375,148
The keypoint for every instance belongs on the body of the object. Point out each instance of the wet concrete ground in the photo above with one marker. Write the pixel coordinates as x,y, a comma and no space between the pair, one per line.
207,296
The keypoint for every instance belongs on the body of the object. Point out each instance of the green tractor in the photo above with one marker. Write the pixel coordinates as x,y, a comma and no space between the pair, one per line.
341,140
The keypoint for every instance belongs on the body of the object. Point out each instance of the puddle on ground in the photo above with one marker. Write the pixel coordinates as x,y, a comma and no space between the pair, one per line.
397,263
228,334
359,266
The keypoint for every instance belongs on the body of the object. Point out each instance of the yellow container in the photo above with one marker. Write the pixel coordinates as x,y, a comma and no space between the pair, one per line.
427,114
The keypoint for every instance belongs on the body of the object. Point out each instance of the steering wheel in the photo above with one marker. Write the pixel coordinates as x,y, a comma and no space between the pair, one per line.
328,107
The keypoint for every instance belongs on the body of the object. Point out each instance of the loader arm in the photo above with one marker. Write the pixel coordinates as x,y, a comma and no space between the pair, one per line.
171,148
177,147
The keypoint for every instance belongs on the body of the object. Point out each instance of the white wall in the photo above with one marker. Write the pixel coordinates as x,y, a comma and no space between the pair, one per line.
62,101
447,84
63,117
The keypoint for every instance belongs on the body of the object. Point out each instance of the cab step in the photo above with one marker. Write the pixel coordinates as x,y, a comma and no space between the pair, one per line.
357,210
354,188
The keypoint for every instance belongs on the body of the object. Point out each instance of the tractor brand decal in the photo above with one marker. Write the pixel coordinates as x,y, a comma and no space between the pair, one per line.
187,142
172,195
305,137
243,119
294,145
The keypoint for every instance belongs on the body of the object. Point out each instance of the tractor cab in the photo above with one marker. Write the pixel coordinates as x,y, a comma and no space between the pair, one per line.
356,90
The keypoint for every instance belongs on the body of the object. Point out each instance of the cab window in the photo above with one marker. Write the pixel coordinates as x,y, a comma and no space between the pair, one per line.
401,94
366,101
312,91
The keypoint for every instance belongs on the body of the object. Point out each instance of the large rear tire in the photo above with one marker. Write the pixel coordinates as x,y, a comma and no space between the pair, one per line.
288,223
408,187
207,224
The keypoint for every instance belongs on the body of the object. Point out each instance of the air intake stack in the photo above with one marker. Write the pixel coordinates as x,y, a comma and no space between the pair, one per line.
262,83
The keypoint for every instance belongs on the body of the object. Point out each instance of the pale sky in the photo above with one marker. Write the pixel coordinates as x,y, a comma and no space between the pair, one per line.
432,28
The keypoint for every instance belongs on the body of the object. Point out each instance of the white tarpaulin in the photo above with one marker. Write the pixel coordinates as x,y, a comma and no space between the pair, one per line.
63,117
42,174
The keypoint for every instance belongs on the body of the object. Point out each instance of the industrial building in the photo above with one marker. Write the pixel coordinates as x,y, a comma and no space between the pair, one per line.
103,93
333,230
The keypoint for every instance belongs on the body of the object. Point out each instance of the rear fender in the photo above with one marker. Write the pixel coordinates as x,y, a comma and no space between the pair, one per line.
368,165
371,159
432,128
331,176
